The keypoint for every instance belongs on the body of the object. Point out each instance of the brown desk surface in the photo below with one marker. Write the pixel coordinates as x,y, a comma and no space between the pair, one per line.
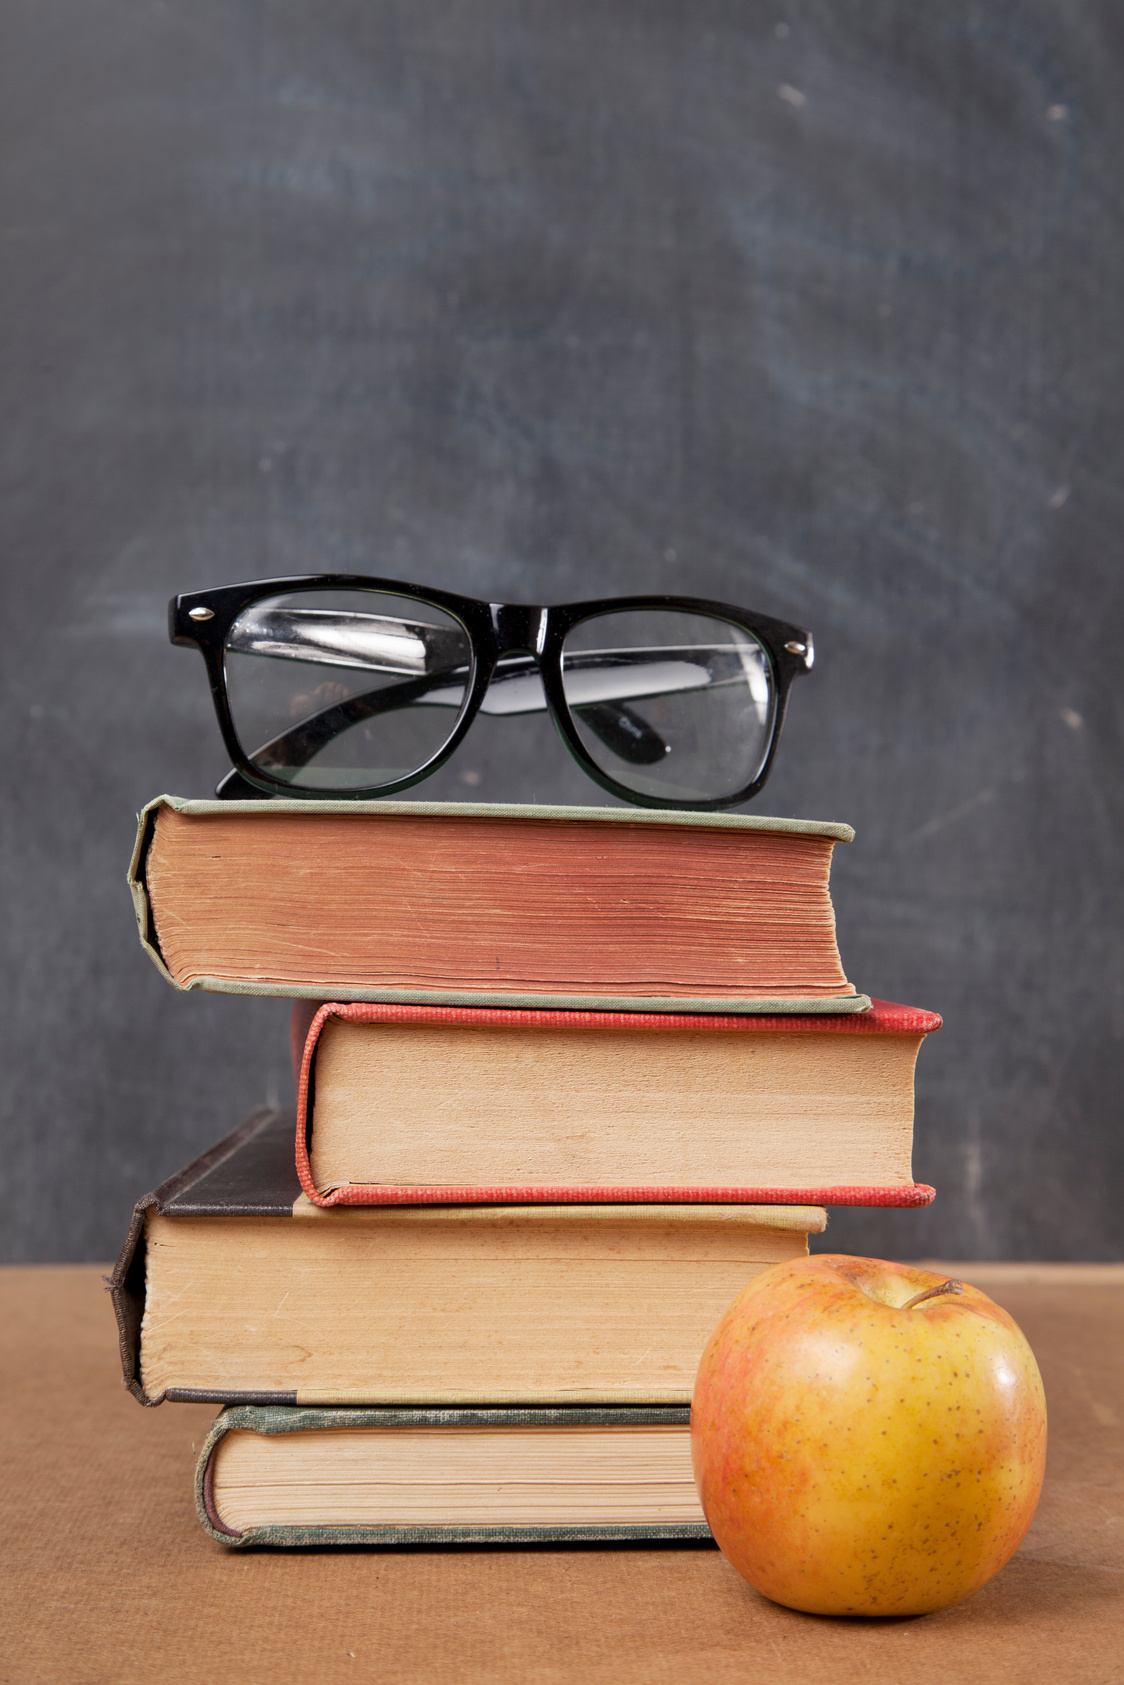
108,1577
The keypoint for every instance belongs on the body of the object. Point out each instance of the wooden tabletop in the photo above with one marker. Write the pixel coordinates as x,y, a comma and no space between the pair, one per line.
107,1576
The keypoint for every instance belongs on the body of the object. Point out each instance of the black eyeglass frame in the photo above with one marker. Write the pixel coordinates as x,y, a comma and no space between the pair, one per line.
203,620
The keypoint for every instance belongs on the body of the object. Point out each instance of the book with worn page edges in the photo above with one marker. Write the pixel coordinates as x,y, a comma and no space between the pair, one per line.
290,1477
477,904
413,1105
233,1286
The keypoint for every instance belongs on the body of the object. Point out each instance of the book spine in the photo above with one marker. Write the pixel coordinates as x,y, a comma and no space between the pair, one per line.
126,1287
126,1283
305,1092
138,887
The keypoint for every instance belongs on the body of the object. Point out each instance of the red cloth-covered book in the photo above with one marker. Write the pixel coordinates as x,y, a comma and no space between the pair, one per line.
432,1105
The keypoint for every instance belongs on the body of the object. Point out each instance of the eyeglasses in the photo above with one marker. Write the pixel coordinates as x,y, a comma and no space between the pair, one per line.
340,685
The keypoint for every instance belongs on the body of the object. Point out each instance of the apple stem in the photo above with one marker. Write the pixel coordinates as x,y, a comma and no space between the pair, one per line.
949,1286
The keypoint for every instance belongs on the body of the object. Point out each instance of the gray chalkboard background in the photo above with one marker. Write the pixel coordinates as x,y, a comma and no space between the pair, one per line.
814,306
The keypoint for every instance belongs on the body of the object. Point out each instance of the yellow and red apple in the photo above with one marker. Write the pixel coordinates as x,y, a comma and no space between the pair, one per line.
868,1438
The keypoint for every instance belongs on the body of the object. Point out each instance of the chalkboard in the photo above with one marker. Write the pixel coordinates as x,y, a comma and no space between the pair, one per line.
812,306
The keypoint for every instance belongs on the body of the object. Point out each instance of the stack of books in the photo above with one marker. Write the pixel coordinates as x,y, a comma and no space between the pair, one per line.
568,1078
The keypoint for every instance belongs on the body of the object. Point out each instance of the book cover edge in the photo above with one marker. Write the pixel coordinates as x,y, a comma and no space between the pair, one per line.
903,1196
392,1538
712,1005
201,807
882,1017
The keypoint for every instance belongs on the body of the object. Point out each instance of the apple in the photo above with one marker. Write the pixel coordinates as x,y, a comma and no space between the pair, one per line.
868,1438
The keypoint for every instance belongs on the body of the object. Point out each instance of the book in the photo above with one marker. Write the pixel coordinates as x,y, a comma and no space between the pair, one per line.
284,1476
233,1286
462,903
446,1105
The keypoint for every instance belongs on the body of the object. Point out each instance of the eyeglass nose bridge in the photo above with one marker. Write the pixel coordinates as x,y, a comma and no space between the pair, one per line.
516,626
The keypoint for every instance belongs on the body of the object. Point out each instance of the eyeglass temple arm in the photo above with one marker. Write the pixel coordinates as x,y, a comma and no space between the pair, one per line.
345,638
617,726
379,643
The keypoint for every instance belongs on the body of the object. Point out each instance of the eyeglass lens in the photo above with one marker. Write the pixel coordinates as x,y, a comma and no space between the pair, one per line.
671,704
345,690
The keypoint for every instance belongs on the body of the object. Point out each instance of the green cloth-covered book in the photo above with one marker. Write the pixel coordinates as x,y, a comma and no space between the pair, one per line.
279,1476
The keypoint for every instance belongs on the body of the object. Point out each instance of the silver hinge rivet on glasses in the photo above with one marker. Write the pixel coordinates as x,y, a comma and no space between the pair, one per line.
200,614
